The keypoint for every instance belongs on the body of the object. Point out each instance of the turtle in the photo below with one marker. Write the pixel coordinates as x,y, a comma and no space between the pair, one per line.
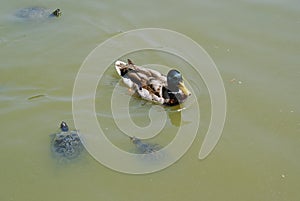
66,143
144,148
31,13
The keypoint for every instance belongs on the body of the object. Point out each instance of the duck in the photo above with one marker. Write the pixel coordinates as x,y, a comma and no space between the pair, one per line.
152,85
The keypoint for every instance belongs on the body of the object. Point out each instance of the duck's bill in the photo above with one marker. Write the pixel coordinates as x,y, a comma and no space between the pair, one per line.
183,88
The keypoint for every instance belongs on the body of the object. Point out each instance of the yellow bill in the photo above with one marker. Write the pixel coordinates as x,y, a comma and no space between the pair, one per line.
183,88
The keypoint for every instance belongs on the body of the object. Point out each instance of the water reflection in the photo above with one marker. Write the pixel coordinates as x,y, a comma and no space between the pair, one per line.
175,115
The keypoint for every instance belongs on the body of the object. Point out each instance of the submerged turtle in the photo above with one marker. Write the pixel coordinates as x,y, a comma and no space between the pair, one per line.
37,13
144,148
67,143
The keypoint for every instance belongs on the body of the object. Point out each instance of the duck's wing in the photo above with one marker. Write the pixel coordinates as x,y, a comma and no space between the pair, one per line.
141,76
128,74
146,82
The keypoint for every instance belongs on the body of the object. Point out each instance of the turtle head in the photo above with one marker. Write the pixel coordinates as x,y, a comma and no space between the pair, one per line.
56,13
64,127
175,82
134,140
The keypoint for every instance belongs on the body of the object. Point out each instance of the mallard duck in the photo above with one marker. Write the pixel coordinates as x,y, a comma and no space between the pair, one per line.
153,86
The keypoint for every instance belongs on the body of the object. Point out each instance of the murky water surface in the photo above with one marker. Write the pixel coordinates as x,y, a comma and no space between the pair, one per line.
255,45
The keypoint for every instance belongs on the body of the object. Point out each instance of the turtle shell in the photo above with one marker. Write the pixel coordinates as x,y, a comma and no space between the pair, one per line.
147,151
66,144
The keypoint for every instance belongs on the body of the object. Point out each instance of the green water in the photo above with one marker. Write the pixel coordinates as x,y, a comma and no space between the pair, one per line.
255,45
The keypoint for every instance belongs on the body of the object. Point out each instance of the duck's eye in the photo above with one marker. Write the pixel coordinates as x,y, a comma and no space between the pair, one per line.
176,79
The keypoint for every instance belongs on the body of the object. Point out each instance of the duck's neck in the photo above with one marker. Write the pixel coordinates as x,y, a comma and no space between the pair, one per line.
173,88
172,97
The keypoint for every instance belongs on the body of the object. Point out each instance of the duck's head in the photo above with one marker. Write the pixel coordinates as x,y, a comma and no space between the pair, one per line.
64,127
175,82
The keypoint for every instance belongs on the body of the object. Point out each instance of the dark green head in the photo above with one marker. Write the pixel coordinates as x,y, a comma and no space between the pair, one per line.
175,82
